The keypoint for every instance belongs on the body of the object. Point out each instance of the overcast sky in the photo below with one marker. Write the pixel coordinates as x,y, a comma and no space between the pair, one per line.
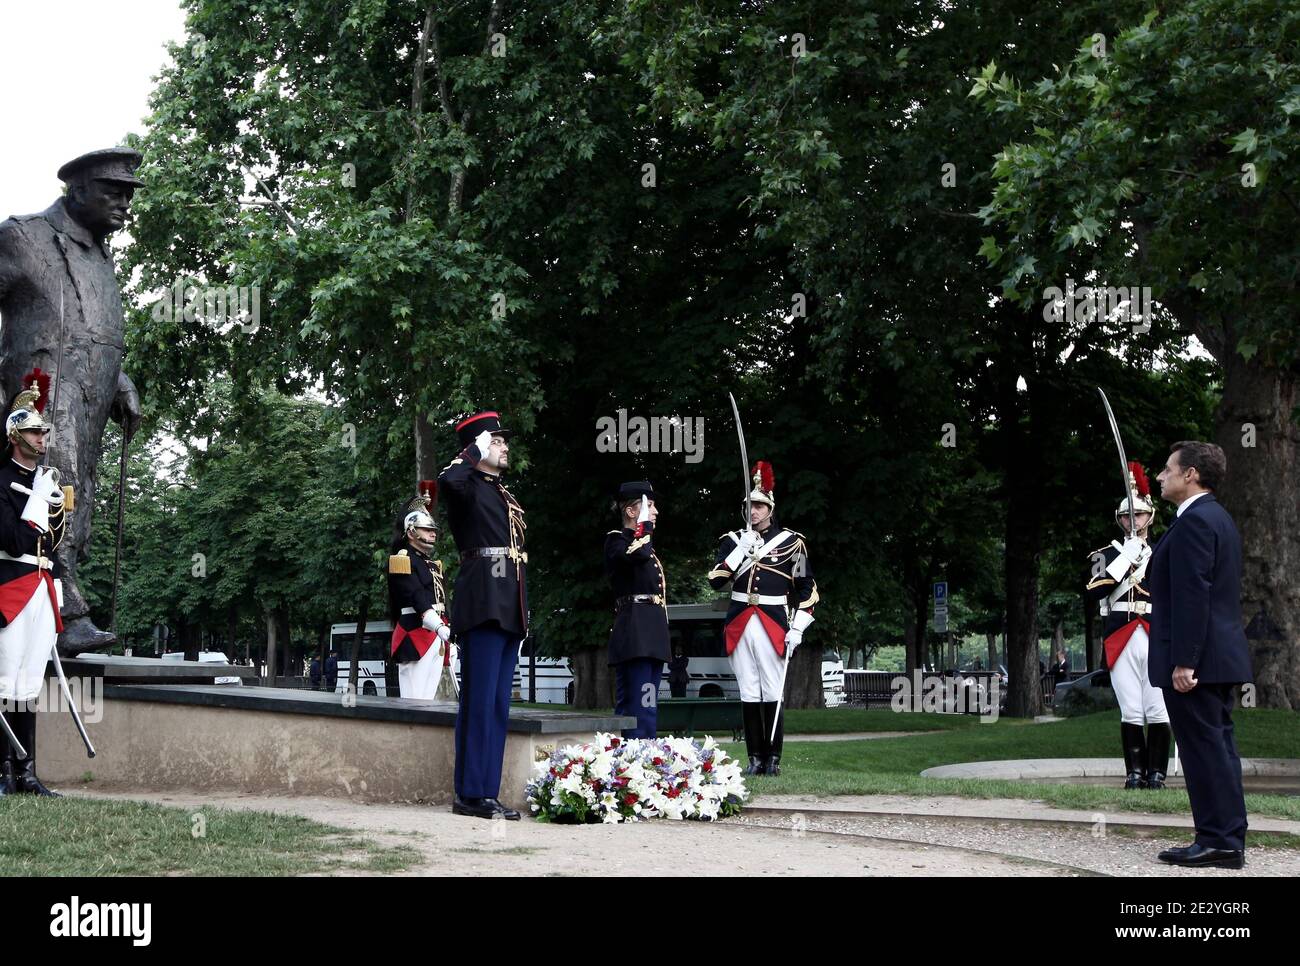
75,76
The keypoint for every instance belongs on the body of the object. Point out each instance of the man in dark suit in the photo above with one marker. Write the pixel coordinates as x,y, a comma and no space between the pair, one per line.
1198,652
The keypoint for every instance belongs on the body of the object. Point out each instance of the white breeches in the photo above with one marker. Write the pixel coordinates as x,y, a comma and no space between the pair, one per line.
756,664
419,679
25,646
1139,701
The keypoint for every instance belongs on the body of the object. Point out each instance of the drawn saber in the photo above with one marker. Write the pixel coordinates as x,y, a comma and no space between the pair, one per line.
744,458
1123,463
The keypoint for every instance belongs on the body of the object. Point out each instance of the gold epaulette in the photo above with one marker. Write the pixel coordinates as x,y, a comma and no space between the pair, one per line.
399,563
69,502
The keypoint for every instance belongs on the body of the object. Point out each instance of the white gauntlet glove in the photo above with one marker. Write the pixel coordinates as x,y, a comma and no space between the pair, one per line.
1131,552
644,515
748,546
444,632
483,440
430,620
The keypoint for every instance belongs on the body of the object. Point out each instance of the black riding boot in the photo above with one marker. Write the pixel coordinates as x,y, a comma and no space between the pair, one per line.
754,737
772,760
7,765
1159,737
25,780
1135,755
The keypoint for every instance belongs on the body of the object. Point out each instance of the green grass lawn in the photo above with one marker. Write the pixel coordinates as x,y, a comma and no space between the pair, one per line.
892,765
77,836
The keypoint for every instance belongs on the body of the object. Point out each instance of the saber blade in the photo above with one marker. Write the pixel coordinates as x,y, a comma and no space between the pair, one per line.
744,458
1123,463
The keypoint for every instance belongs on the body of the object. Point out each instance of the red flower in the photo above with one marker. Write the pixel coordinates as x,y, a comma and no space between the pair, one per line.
707,766
658,761
631,798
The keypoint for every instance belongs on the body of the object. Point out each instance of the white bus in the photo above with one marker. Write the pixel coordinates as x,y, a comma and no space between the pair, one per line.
376,645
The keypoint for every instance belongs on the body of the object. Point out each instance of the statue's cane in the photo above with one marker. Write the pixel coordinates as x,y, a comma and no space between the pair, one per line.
117,553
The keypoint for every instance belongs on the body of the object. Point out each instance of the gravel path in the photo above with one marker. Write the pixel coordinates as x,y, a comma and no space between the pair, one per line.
1103,852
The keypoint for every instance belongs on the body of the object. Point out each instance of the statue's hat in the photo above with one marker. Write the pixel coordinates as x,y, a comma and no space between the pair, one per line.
110,164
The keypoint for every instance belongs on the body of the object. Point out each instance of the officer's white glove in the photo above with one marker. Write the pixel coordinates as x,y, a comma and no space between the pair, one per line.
444,632
793,639
747,546
1131,552
430,620
644,515
45,484
483,440
37,510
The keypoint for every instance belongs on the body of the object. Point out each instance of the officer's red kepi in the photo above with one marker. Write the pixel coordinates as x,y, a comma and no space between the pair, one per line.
489,421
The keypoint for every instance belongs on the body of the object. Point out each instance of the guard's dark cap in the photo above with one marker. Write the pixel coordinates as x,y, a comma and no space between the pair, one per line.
471,426
627,492
111,164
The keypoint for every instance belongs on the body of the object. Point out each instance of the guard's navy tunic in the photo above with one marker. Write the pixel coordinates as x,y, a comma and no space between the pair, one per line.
414,592
490,614
783,571
638,643
18,538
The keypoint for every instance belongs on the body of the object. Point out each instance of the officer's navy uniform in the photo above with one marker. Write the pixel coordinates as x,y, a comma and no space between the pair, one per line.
489,607
638,643
1196,588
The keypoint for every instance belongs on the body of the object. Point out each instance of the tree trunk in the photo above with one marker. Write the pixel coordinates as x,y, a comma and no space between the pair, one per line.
1023,536
593,678
992,640
1260,491
271,629
353,665
803,687
1090,641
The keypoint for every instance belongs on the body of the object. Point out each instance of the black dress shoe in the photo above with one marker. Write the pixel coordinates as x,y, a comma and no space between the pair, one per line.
1155,779
1198,856
473,807
1171,855
755,766
509,814
772,766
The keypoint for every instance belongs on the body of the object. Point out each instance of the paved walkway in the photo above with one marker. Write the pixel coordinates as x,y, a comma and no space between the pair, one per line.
1035,768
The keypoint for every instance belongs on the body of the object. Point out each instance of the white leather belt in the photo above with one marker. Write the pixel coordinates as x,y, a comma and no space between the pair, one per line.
436,608
29,558
1137,607
759,599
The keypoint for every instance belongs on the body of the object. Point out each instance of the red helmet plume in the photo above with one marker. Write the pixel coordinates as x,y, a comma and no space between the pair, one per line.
1140,482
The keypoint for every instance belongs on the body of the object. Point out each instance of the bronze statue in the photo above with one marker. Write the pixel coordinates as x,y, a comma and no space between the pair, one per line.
61,310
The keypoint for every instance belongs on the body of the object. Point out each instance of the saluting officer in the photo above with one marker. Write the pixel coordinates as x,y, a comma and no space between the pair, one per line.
489,609
417,600
638,644
1124,597
772,598
32,525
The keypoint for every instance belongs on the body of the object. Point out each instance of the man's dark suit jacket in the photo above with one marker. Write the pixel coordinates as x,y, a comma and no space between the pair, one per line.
1195,578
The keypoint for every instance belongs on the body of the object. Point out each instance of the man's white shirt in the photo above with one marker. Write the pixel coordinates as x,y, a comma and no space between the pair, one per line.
1188,502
